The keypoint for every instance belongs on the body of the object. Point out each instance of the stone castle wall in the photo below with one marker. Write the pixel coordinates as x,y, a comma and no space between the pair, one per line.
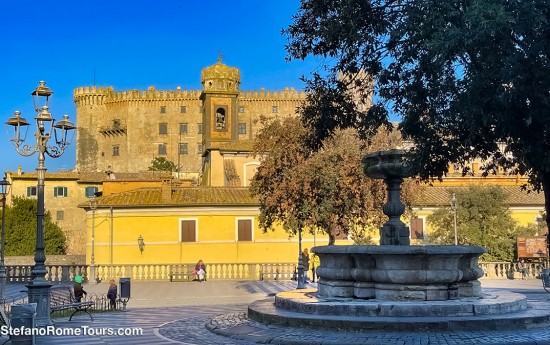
128,123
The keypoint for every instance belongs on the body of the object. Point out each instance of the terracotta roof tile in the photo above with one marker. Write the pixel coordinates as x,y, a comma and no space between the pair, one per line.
181,196
439,196
242,145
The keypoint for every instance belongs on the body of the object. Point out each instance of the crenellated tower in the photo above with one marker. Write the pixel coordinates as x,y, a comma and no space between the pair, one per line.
219,97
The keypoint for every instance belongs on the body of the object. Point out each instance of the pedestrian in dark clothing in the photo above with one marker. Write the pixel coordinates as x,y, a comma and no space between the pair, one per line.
78,289
112,293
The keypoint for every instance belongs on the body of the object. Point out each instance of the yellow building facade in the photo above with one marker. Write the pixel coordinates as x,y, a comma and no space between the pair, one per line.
185,224
525,207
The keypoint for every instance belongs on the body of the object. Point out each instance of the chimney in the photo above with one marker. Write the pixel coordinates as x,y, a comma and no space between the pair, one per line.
166,189
19,170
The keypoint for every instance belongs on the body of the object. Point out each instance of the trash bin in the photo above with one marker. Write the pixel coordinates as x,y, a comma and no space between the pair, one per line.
546,277
23,315
125,288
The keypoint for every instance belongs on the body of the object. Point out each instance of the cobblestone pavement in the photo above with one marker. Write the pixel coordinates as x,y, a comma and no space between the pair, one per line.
195,325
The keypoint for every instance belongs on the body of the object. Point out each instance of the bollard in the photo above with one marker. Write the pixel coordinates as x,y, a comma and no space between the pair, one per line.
124,291
23,315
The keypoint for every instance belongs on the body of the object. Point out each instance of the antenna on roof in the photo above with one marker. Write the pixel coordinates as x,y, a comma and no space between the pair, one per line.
220,56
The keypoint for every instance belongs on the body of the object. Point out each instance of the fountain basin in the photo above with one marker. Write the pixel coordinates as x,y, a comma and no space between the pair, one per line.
399,273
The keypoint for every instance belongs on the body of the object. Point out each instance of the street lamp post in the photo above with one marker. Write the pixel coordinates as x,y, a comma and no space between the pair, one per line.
4,190
39,287
93,275
453,208
301,276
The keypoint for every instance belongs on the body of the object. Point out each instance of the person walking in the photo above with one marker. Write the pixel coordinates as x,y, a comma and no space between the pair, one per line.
112,293
315,262
305,263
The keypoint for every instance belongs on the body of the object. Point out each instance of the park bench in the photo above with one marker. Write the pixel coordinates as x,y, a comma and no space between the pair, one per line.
62,298
181,273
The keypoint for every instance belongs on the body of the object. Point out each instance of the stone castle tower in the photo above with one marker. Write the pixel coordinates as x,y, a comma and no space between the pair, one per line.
123,131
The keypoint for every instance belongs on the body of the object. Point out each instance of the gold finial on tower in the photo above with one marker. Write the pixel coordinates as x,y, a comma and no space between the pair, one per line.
220,56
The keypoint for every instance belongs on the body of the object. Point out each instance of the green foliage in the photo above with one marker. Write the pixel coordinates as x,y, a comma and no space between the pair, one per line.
21,229
324,190
483,220
469,78
162,164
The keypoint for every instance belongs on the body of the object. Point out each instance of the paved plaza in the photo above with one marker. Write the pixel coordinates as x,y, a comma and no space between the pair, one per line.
190,313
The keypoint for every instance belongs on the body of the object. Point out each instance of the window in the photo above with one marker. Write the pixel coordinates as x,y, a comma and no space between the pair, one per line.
163,128
60,192
163,110
183,128
162,149
183,149
274,109
115,150
90,192
417,228
244,230
241,109
199,127
31,191
183,109
60,215
242,128
188,231
199,149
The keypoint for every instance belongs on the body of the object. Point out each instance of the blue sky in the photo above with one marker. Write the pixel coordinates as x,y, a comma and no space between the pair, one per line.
133,45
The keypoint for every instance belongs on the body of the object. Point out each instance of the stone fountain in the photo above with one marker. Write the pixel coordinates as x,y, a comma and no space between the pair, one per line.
396,286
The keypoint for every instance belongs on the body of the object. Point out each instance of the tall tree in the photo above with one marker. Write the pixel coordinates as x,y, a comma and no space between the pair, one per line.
482,219
21,229
326,190
469,78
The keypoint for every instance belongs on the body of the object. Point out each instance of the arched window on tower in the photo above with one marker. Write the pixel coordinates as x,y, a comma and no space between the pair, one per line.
220,119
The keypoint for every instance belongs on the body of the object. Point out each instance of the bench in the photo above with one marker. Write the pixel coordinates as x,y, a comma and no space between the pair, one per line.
179,273
62,298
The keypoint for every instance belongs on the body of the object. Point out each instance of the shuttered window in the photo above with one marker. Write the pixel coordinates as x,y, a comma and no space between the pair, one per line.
188,231
244,230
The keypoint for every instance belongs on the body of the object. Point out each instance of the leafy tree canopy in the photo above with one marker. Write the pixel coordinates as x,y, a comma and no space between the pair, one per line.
482,219
469,78
21,229
324,190
162,164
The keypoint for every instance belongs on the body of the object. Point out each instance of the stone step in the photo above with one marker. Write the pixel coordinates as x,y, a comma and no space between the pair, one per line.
265,312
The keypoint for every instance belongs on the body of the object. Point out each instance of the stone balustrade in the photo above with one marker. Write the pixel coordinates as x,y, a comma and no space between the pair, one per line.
216,271
250,271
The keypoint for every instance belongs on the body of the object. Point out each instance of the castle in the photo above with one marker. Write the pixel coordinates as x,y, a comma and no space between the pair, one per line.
123,131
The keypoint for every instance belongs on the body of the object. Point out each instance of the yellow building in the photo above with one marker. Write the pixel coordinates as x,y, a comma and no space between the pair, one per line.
185,224
64,191
525,208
